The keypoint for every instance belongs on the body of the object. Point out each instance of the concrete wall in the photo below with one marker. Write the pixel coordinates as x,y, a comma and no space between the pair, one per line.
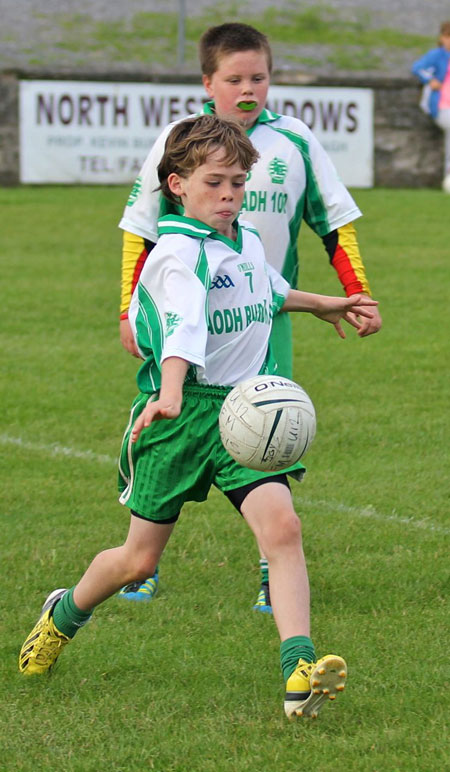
408,146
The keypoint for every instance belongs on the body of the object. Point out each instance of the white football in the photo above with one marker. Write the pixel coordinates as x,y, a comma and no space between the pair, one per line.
267,423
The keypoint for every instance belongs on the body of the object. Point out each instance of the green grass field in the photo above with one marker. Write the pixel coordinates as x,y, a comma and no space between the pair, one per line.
333,37
351,44
191,682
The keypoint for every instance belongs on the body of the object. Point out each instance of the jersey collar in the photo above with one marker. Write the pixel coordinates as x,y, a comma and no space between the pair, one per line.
174,223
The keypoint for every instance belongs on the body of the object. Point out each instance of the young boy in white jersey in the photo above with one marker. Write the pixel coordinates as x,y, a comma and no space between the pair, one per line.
293,180
189,367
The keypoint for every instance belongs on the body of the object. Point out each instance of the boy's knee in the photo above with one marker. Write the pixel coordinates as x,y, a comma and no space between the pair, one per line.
284,530
147,568
290,527
141,567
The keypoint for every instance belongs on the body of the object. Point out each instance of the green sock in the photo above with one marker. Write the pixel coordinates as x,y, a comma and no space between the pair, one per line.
293,649
264,568
68,618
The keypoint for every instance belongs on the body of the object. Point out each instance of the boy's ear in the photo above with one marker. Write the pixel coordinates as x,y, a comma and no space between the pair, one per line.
175,183
207,86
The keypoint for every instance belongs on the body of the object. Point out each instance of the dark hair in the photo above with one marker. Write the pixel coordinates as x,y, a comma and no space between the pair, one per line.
192,140
229,39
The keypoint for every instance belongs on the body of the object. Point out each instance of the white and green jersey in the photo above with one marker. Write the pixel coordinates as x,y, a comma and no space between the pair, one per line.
206,299
293,180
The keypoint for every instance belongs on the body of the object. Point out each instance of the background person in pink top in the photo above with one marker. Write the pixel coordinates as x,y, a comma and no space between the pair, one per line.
433,70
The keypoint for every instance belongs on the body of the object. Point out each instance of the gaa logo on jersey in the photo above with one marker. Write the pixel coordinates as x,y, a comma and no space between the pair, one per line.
172,321
222,282
278,170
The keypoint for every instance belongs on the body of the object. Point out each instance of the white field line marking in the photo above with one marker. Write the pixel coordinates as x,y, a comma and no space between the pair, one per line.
53,449
371,513
368,512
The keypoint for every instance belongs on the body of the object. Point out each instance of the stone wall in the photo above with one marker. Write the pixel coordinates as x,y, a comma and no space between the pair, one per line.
409,149
9,129
408,146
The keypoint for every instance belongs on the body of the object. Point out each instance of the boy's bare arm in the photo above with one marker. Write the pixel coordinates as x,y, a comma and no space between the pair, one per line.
168,403
331,309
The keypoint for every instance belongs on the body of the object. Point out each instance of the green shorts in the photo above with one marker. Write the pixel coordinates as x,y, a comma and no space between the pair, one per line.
178,460
281,343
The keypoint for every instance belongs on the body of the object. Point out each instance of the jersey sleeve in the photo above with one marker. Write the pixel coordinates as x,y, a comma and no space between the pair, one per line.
343,251
185,315
424,68
330,211
142,209
328,204
140,222
168,312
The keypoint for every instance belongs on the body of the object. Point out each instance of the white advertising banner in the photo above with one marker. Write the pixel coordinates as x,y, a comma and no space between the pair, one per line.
100,133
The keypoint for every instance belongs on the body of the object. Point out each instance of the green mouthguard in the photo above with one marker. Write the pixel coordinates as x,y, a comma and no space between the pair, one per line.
246,105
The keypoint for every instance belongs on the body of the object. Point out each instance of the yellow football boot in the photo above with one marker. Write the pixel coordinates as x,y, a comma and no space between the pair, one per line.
45,643
312,684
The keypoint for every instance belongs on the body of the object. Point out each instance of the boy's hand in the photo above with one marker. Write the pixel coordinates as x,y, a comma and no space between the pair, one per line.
333,309
127,339
368,325
155,410
170,398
